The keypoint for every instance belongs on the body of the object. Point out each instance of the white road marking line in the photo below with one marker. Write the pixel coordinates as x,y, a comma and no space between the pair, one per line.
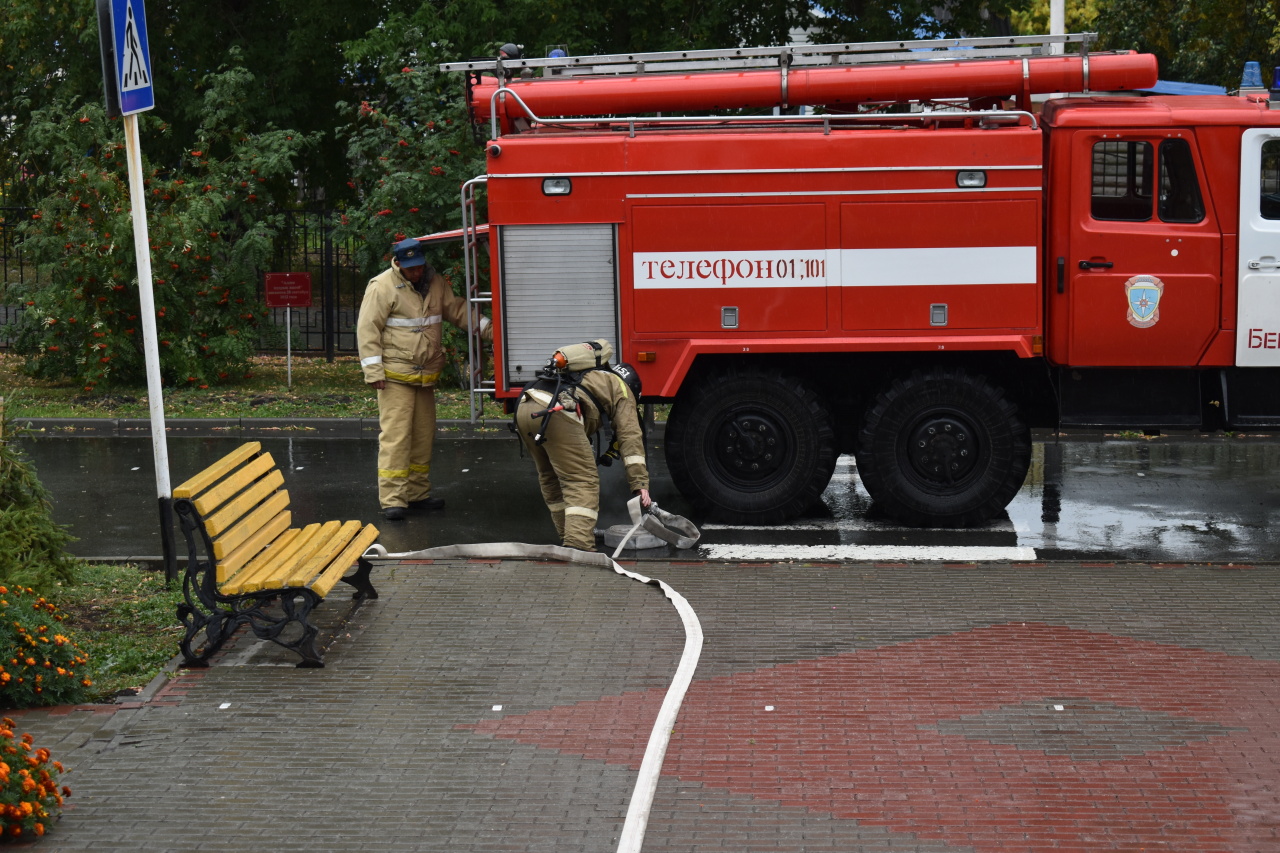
862,553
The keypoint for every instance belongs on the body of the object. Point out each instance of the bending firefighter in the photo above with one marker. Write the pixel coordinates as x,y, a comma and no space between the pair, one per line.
401,355
556,418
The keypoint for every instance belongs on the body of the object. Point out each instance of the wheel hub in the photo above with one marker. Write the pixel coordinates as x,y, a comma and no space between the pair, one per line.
750,447
942,449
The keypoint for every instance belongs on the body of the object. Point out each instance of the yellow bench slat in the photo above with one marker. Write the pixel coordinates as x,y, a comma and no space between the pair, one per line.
253,576
345,560
210,475
233,484
268,537
250,524
243,503
323,555
271,574
318,543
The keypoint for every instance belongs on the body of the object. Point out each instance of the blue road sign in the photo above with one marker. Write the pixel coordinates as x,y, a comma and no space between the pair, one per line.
132,56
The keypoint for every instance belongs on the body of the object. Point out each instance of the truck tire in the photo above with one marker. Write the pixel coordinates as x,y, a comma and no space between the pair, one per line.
750,446
943,448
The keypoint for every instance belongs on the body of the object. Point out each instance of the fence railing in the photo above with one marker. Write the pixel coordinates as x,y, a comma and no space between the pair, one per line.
306,244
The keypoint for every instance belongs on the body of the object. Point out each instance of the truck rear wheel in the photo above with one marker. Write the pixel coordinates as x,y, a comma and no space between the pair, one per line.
750,446
943,449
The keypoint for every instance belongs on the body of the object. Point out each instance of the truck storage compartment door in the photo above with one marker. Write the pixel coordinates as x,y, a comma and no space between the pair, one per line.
1140,250
940,266
1258,307
729,268
558,286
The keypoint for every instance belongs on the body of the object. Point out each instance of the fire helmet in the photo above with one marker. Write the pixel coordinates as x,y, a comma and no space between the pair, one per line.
628,375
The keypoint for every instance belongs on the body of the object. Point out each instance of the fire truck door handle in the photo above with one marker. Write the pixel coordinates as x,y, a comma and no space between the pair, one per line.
1062,275
1095,265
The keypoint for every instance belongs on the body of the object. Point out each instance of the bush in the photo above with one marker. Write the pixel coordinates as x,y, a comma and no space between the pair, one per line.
38,664
30,800
212,221
31,544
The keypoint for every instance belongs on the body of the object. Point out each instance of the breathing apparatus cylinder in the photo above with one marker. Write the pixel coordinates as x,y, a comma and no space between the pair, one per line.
581,356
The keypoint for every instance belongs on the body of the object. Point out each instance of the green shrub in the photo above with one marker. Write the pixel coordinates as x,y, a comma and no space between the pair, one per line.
39,665
31,544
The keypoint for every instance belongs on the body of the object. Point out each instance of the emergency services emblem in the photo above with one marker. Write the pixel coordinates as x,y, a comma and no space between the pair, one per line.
1143,294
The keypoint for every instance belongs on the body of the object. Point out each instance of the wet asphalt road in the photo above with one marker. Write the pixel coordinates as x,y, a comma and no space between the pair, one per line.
1173,498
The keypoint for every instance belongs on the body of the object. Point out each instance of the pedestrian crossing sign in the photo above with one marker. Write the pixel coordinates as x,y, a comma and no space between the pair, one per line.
132,60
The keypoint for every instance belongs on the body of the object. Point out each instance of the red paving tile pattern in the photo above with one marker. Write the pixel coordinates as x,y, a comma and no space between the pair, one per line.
1020,736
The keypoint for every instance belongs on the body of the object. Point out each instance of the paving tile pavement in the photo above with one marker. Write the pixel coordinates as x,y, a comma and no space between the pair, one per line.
837,707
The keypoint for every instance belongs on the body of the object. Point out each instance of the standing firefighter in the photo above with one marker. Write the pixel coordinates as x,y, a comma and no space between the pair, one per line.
556,418
401,354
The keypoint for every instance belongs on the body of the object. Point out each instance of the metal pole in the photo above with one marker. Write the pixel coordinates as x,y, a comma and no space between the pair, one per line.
328,288
1057,23
150,343
288,344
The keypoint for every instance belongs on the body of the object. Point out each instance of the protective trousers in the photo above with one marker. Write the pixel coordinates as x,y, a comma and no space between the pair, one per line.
567,474
407,417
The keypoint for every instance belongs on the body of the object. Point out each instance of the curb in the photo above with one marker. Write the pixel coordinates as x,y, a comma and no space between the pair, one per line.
357,428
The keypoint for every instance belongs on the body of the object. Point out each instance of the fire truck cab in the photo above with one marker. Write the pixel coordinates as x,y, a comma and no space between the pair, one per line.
917,269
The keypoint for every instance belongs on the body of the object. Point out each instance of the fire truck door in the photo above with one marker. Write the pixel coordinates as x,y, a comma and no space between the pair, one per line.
1138,257
1258,308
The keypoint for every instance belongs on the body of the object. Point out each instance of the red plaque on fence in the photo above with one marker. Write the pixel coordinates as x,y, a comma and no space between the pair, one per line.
288,289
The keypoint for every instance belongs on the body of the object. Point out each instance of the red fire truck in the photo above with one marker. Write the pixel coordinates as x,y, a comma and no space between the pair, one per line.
906,259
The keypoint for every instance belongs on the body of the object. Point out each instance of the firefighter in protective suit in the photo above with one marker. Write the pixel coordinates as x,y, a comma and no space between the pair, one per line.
401,355
566,459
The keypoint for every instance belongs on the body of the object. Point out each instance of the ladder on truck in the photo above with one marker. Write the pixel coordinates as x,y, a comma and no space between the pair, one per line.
473,234
510,74
785,56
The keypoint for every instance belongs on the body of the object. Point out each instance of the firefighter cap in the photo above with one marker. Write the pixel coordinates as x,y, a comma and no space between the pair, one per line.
409,253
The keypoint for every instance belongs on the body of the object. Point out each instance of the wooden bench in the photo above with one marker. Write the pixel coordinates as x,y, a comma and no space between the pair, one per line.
237,512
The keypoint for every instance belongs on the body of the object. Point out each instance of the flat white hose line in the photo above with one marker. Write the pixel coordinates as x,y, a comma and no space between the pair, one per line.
637,821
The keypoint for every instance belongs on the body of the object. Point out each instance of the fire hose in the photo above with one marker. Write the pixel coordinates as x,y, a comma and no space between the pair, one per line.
667,526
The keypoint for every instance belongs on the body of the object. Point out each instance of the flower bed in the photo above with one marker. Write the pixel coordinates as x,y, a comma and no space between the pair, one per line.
30,799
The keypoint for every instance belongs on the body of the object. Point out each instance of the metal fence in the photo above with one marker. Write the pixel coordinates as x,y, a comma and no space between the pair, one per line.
13,270
306,244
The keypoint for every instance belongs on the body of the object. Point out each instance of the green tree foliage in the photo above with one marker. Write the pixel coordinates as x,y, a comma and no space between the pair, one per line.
49,50
892,20
1196,41
211,220
409,146
1033,19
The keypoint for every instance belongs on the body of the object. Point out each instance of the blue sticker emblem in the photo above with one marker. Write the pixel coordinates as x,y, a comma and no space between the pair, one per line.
1143,294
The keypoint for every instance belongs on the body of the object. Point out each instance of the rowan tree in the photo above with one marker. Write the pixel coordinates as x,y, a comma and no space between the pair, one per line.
211,221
